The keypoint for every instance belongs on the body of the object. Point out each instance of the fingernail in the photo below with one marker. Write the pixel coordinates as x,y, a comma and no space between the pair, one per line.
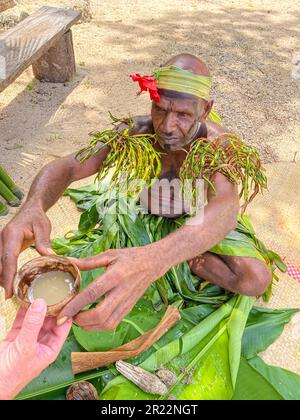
50,251
62,320
38,306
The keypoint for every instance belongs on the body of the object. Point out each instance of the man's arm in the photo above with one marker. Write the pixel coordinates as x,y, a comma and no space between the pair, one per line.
31,225
220,217
129,272
55,177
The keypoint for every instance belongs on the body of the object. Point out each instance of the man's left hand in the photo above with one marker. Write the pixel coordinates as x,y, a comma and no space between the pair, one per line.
129,272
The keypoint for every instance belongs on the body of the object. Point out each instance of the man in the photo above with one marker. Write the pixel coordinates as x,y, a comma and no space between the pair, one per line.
177,119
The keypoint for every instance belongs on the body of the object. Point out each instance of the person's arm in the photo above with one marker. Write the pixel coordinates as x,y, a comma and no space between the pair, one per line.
129,272
32,344
219,218
55,177
31,224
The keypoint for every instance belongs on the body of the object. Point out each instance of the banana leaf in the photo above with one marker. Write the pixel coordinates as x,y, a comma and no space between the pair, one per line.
210,374
251,386
286,383
140,320
89,219
209,352
258,381
255,379
206,344
54,381
264,326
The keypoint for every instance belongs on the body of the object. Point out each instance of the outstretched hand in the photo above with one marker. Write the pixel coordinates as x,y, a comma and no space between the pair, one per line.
33,343
129,272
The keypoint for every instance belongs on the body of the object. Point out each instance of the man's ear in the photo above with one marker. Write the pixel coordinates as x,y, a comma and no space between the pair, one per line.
207,108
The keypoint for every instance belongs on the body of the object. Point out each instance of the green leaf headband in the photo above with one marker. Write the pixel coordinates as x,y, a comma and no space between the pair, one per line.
185,81
178,80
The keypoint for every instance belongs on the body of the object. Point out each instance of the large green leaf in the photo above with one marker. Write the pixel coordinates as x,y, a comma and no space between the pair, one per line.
207,341
195,314
88,219
286,383
141,319
135,230
237,245
258,381
264,326
209,352
250,385
210,376
235,327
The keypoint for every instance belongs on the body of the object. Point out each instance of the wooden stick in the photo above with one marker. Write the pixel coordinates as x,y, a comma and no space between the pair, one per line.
82,362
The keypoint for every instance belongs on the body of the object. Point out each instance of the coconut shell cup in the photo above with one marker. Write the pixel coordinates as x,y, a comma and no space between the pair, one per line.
37,266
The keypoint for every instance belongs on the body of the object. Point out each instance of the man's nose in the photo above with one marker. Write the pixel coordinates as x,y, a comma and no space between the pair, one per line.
168,124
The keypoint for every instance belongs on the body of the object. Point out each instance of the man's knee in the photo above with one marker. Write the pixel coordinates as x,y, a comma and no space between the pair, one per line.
254,279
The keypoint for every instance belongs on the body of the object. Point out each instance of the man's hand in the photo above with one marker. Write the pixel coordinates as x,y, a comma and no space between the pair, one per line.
129,273
32,344
29,226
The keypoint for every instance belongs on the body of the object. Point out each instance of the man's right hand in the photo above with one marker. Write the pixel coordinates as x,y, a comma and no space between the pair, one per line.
30,225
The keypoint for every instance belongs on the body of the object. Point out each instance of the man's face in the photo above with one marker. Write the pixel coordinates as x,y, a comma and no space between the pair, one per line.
176,120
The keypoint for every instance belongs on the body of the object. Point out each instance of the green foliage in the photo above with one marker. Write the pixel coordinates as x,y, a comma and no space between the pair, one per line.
213,348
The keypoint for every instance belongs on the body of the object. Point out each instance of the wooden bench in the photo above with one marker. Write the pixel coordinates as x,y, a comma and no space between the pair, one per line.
6,4
43,40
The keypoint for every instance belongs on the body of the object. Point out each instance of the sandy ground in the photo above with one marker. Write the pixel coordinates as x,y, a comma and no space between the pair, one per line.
249,46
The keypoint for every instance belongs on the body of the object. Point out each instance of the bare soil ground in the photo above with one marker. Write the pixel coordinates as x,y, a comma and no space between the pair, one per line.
249,46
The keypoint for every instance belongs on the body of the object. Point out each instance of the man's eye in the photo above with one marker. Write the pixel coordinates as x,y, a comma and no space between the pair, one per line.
182,114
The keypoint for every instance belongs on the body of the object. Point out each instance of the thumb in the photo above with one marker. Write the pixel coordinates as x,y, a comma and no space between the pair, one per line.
42,238
91,263
32,324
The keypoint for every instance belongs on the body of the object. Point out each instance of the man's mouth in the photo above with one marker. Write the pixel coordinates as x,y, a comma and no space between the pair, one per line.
168,141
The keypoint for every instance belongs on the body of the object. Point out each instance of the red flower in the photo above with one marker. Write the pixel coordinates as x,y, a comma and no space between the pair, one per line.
147,83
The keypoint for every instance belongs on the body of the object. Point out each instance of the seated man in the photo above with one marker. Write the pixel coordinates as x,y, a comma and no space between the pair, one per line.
177,119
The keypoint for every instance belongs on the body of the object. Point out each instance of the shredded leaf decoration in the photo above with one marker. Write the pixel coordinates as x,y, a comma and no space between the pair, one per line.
131,157
229,155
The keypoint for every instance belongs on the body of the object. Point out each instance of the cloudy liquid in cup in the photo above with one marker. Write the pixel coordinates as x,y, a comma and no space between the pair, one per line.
53,287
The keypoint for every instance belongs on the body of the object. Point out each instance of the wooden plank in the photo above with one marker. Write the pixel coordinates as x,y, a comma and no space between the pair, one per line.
31,39
6,4
58,64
